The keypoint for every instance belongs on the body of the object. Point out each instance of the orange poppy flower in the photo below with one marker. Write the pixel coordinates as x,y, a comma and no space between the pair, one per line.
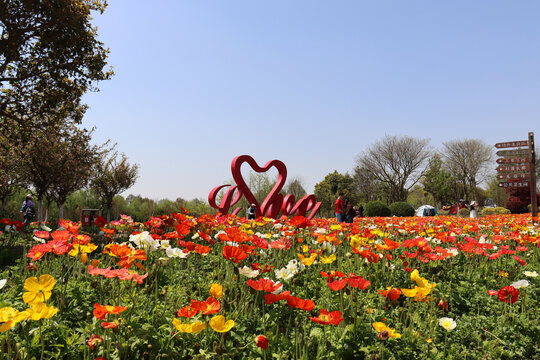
100,311
94,339
234,253
109,325
327,318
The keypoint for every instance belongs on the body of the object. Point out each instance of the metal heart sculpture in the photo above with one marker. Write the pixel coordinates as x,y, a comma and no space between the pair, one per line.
273,204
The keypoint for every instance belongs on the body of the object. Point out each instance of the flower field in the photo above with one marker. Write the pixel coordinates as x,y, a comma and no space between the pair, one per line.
183,287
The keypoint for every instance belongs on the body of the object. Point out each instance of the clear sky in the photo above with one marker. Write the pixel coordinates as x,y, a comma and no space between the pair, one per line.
311,83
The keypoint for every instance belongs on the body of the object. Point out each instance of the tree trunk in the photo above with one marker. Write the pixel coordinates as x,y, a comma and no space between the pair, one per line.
61,211
108,214
40,215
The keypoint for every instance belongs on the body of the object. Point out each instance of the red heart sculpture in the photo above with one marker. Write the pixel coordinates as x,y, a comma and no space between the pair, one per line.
274,194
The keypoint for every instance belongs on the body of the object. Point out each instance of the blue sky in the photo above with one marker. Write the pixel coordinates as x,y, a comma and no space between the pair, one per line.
311,83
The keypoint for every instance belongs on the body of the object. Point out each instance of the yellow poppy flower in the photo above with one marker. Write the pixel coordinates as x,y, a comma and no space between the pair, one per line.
307,261
38,290
9,317
216,290
328,259
41,311
410,292
192,328
219,324
380,327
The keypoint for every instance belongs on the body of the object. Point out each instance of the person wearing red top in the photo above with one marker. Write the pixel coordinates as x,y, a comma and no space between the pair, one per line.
339,208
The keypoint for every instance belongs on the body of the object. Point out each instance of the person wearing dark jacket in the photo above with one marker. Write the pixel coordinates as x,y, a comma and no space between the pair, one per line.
28,209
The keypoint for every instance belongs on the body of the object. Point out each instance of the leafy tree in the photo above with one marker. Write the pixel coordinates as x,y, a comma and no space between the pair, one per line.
418,196
11,175
437,181
395,162
49,58
113,176
327,191
468,161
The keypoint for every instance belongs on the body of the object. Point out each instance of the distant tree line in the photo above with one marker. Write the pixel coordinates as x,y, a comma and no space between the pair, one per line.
396,169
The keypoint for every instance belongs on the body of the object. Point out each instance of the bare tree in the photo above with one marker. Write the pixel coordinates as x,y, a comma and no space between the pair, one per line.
395,162
468,161
75,160
295,186
368,187
113,176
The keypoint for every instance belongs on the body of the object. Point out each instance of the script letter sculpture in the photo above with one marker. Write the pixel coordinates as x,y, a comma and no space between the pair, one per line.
274,203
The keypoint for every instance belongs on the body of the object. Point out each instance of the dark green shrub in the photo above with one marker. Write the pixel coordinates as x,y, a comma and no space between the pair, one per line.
376,208
402,208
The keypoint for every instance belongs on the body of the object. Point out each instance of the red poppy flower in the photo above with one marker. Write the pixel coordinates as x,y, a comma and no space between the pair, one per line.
68,225
327,318
100,221
234,253
264,284
37,252
201,249
271,298
337,285
302,304
521,262
210,306
508,294
42,234
5,221
261,342
262,268
187,311
493,292
391,294
356,281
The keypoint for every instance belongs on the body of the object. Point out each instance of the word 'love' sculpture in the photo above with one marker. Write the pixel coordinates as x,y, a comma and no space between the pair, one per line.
273,204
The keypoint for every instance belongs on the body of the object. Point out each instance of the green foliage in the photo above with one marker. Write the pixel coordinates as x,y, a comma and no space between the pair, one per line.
464,212
401,208
327,191
437,181
49,58
377,208
495,211
418,196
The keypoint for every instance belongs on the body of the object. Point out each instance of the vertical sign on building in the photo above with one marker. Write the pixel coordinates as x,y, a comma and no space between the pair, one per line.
534,200
518,168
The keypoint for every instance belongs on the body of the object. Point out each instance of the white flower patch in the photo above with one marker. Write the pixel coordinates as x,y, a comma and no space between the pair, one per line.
176,252
248,272
520,284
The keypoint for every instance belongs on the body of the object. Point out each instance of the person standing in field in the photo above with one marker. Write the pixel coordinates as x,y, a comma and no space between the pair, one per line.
472,209
28,209
339,208
251,212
